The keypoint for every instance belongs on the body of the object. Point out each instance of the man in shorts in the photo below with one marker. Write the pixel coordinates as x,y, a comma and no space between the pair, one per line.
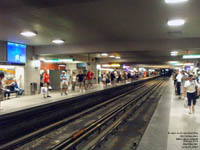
63,83
81,78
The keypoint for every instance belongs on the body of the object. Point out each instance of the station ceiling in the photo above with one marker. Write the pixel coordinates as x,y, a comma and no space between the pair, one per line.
136,29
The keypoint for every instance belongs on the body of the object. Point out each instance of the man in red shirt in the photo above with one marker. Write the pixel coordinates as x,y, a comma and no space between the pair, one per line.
90,78
46,81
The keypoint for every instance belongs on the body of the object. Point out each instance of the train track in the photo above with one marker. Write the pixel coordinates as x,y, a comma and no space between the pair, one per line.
103,125
78,135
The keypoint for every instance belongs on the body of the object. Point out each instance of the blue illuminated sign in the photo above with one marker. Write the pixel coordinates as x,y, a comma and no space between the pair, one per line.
16,53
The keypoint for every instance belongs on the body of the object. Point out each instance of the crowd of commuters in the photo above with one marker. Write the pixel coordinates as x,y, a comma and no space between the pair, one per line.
67,80
189,85
114,77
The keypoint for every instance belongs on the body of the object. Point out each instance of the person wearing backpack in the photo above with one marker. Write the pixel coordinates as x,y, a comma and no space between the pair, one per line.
190,88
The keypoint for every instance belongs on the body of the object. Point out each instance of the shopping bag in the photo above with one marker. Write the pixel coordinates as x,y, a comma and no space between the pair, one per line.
43,90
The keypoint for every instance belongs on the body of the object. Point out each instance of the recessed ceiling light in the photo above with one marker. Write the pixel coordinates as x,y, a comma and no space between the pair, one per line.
111,56
58,41
118,57
28,33
176,22
104,54
175,1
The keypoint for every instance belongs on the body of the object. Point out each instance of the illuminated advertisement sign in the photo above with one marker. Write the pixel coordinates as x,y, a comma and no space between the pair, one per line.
16,53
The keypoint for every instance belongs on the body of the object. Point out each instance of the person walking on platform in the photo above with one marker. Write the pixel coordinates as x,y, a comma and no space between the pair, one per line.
1,87
190,88
63,83
178,84
112,77
81,78
46,81
198,83
175,80
73,81
90,76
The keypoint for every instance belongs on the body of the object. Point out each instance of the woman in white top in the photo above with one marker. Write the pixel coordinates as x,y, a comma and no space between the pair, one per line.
73,81
190,90
1,87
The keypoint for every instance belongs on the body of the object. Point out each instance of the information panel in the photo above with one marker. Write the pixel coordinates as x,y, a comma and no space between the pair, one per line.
16,53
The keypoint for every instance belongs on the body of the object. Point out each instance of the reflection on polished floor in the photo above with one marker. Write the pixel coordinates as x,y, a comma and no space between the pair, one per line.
172,127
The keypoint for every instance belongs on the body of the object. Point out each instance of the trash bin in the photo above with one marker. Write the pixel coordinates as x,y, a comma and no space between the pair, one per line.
33,88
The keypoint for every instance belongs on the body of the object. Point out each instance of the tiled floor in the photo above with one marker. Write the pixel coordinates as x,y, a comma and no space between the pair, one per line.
172,127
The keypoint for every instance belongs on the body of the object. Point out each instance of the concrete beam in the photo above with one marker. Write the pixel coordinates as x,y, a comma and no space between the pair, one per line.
140,45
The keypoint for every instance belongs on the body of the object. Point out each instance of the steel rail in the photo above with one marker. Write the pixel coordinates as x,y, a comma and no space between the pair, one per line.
47,129
81,134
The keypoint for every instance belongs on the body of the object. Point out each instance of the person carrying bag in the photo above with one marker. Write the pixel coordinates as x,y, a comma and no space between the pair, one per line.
190,88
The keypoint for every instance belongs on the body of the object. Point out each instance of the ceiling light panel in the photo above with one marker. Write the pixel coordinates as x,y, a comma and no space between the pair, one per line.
176,22
58,41
104,54
28,33
175,1
111,56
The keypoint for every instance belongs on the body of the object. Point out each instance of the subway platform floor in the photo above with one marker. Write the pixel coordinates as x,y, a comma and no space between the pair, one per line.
172,127
25,102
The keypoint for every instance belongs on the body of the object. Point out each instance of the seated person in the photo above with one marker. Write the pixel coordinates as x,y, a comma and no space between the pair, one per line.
17,89
12,88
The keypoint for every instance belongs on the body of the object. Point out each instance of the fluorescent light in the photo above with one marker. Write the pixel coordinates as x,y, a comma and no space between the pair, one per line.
173,62
191,56
111,56
106,69
176,22
104,54
58,41
118,57
111,65
59,60
28,33
175,1
174,52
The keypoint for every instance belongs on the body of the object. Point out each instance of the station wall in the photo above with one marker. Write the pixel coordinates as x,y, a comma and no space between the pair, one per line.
32,74
2,51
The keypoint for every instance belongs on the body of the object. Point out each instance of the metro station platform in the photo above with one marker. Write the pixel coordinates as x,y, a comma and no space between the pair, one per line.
172,127
26,102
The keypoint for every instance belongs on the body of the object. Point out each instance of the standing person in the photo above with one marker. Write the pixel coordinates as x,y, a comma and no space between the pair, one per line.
190,91
104,79
175,80
178,84
90,76
63,83
1,87
46,80
73,81
68,76
112,77
198,84
81,78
